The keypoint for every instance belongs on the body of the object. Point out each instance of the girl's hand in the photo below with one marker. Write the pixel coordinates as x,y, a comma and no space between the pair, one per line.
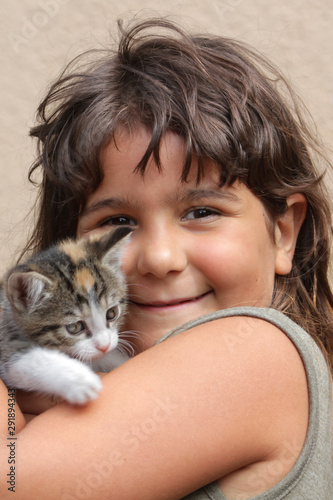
33,404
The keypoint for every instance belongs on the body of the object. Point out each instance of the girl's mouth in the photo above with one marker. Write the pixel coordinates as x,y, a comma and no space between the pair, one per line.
160,306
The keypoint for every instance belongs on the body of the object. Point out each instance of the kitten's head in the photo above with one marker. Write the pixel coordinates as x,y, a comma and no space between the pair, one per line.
72,296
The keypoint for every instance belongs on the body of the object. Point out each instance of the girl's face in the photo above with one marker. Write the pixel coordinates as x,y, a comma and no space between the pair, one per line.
195,248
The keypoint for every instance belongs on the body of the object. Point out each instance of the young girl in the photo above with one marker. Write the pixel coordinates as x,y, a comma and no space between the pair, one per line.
188,142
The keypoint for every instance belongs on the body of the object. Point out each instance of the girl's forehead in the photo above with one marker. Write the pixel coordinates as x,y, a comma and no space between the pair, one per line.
127,148
130,145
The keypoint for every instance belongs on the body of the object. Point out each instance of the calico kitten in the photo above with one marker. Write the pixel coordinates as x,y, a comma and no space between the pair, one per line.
61,311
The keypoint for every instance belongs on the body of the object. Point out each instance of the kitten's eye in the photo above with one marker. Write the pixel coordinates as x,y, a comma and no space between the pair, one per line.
75,328
112,313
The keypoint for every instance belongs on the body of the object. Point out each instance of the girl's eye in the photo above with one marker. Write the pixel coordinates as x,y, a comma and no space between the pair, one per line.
112,313
200,213
75,328
119,220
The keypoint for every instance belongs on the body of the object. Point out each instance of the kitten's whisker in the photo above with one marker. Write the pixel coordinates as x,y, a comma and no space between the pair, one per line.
125,338
127,351
137,285
131,296
135,334
126,347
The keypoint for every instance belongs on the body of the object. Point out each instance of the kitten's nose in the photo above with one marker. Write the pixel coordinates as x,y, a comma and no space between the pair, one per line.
103,348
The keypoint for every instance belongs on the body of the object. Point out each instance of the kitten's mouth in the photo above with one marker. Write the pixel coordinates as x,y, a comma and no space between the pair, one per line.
160,305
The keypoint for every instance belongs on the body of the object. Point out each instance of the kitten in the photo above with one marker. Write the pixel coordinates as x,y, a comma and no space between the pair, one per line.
60,311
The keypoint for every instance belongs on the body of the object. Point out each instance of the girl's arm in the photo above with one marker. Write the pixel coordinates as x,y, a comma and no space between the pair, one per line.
33,403
172,419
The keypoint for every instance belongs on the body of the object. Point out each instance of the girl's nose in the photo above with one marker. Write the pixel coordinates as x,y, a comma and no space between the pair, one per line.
159,254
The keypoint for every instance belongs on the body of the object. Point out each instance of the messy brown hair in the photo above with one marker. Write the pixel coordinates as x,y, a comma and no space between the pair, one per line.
227,103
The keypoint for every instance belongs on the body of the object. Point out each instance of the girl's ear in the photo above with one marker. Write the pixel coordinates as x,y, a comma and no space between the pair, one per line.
286,232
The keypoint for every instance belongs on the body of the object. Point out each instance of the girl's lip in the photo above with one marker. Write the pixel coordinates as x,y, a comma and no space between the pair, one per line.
162,305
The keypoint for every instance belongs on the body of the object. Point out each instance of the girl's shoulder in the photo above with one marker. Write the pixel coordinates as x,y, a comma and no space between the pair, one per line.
252,388
278,382
246,319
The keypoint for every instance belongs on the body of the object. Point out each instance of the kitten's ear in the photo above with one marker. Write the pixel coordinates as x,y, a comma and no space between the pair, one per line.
110,247
25,290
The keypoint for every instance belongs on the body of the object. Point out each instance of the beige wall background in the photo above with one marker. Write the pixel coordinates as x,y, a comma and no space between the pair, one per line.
39,36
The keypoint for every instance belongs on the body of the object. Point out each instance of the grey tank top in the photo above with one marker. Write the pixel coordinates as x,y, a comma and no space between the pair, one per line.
311,478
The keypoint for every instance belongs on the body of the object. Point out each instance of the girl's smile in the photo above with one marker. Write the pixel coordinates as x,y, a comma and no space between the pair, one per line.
161,307
186,257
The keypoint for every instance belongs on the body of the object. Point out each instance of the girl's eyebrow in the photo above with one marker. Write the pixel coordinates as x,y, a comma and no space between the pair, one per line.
190,195
115,202
208,192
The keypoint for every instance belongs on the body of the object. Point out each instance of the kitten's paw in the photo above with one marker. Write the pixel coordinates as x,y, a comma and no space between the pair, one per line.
84,388
52,372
